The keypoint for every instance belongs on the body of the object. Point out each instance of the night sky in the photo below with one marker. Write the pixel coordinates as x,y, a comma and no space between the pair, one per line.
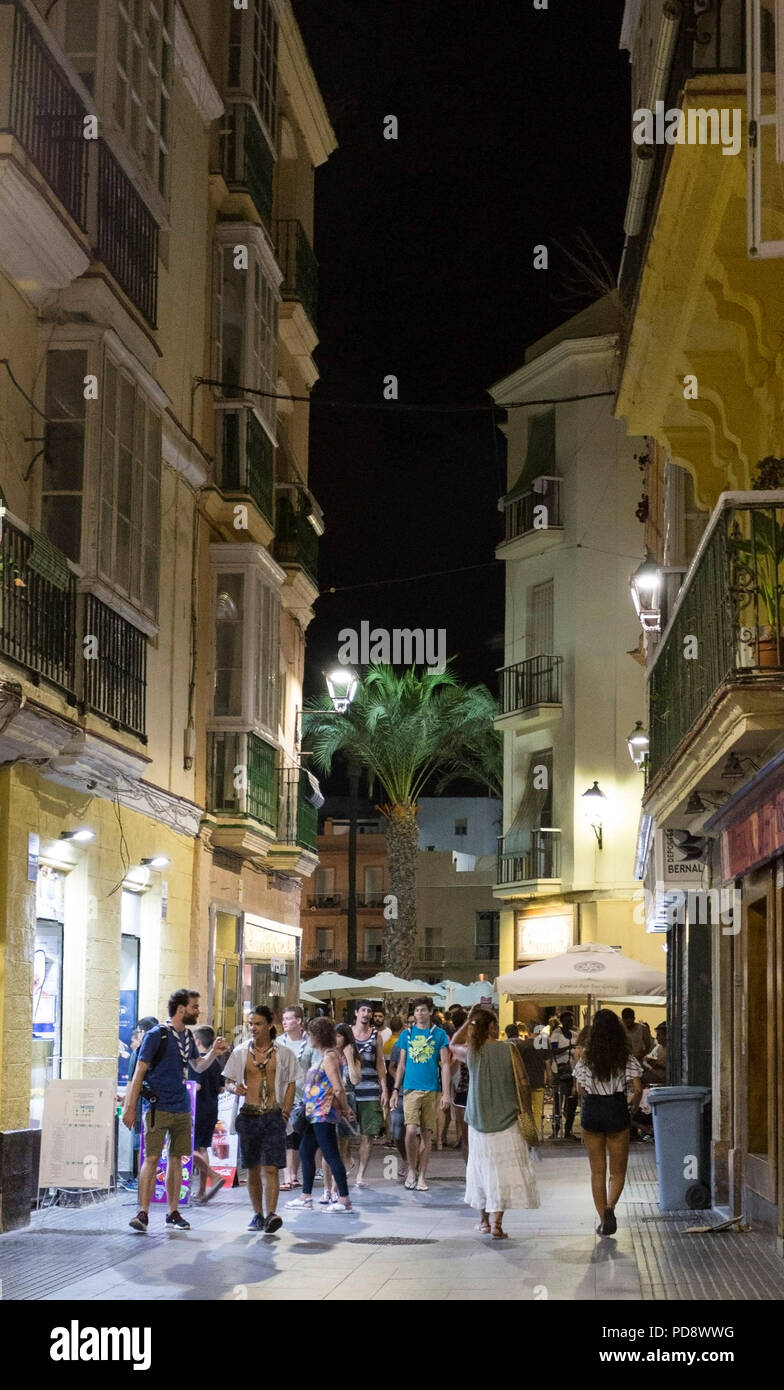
513,131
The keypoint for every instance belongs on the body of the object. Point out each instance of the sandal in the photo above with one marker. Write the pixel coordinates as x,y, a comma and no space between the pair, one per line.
484,1227
421,1186
287,1187
498,1234
410,1186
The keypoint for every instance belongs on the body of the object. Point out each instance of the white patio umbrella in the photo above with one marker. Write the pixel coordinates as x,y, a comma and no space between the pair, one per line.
421,987
587,972
331,985
466,995
305,998
386,983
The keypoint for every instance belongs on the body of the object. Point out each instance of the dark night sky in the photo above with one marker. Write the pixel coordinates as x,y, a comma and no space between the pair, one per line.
513,131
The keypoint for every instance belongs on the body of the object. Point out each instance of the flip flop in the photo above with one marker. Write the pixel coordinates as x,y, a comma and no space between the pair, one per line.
287,1187
422,1187
410,1186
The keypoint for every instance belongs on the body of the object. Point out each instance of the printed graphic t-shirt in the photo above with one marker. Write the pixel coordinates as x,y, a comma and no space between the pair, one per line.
422,1047
167,1079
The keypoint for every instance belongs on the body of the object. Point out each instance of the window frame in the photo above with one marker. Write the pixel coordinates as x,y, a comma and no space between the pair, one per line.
260,574
268,111
258,369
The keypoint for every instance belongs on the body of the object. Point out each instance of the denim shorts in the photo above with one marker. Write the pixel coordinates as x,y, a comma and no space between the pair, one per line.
604,1114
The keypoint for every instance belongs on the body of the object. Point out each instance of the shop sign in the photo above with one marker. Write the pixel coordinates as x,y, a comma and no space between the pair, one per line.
263,944
755,838
541,937
680,857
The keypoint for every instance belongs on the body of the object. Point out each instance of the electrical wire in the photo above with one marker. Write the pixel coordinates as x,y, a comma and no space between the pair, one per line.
407,579
395,406
5,363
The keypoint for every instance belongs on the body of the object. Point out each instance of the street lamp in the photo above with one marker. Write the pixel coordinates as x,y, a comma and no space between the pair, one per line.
158,861
593,802
645,585
342,686
638,744
81,836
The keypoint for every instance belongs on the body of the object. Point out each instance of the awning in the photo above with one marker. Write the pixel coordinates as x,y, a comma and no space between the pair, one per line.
540,456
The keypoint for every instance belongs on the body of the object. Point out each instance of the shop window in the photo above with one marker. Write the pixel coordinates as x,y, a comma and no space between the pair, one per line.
757,1054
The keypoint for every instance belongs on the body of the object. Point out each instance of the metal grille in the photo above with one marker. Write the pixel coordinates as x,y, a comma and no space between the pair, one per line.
732,605
37,617
296,543
247,459
297,819
520,516
390,1240
537,681
299,265
115,682
541,860
127,235
47,118
262,781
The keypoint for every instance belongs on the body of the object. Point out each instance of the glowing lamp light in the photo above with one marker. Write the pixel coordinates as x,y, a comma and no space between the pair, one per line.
638,745
342,687
81,836
645,585
593,803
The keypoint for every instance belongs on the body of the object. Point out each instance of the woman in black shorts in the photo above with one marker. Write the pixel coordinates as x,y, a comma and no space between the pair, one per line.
605,1073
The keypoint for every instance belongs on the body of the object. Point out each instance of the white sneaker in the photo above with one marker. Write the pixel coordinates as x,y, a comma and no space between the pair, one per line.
338,1206
301,1203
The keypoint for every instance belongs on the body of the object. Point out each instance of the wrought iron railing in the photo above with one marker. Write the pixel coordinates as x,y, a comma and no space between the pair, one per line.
247,459
537,681
299,265
46,116
297,817
371,900
373,955
486,950
115,680
534,511
37,616
540,858
247,161
242,777
127,235
326,900
727,623
431,953
296,543
325,959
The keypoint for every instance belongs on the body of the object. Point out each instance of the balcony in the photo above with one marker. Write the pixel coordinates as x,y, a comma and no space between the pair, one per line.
484,950
247,162
299,265
371,900
295,848
531,692
42,623
242,794
431,955
325,960
539,862
244,474
372,958
296,543
729,614
534,513
127,235
327,900
115,684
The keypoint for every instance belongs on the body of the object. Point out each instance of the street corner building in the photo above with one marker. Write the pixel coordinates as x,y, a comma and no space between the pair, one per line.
699,378
158,551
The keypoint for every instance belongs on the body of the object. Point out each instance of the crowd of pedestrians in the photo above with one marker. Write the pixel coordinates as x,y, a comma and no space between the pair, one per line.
303,1096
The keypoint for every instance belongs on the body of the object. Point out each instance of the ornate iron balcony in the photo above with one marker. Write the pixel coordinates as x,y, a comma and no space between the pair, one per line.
247,459
540,858
328,900
537,681
247,161
297,818
296,543
299,265
242,778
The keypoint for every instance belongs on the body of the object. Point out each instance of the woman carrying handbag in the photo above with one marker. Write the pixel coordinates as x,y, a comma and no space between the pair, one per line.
501,1129
325,1105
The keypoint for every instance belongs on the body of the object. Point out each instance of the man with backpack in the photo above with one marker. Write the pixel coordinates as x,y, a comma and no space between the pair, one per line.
160,1076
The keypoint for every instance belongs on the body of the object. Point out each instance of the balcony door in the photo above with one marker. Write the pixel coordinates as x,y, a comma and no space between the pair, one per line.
539,633
758,1044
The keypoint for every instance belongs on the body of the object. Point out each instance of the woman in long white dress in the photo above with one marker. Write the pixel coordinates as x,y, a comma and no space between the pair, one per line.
499,1175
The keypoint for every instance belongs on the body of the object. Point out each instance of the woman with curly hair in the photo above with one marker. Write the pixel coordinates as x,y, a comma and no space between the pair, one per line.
499,1176
604,1074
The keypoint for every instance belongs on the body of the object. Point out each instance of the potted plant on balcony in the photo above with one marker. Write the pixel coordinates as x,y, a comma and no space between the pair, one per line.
758,569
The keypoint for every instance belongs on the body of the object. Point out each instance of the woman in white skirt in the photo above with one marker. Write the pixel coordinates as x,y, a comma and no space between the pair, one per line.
499,1176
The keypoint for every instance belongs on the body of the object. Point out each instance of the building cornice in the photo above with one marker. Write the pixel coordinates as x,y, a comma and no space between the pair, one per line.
300,82
564,354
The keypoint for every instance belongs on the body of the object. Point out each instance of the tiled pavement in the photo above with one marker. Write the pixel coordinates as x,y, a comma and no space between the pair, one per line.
553,1252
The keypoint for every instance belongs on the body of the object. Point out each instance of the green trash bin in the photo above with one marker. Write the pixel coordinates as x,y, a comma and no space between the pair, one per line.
684,1180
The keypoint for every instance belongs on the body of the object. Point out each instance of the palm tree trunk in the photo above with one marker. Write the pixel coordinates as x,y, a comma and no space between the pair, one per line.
402,848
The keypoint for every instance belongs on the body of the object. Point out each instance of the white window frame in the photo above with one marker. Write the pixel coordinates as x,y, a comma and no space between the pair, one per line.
138,504
258,367
99,342
760,121
150,80
260,576
254,71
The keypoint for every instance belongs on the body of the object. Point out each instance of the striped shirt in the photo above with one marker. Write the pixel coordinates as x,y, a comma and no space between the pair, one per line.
368,1087
619,1082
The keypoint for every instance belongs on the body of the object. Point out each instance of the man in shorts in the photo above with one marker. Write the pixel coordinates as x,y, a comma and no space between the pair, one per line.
424,1052
371,1089
297,1040
265,1074
164,1057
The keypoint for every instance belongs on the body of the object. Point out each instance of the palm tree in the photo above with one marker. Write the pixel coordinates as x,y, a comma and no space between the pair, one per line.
404,730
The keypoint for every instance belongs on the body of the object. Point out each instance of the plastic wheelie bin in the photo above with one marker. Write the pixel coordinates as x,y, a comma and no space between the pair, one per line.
684,1180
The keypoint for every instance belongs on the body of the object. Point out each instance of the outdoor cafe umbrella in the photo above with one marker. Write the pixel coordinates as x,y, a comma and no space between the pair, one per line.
385,983
466,995
305,998
589,971
331,985
420,987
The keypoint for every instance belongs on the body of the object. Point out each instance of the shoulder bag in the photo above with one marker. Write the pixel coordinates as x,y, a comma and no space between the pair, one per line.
525,1117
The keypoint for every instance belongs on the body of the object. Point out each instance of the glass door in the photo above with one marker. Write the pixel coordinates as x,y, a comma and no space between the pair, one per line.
47,1013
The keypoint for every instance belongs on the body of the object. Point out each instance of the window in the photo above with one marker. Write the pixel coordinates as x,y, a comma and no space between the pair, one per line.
143,82
246,644
373,887
63,467
253,58
374,945
81,39
325,943
461,827
325,883
486,935
246,323
539,636
130,488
